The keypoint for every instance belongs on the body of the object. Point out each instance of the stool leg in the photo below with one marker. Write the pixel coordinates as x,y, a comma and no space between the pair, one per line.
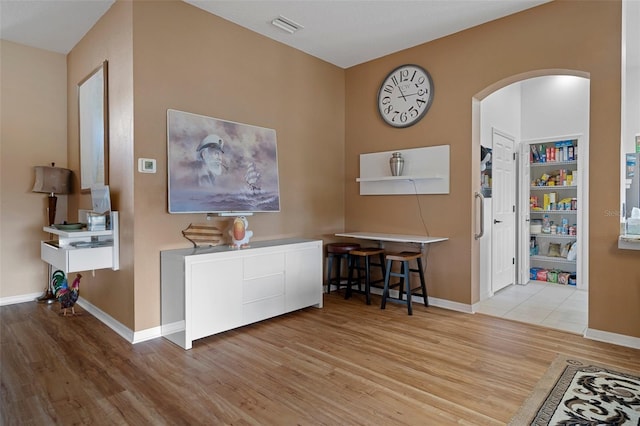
367,282
407,281
401,286
384,270
329,270
422,283
352,262
385,292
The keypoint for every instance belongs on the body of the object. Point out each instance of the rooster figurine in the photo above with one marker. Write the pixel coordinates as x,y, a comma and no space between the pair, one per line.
65,295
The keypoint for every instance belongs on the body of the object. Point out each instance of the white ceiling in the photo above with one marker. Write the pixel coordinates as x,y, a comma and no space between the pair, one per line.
342,32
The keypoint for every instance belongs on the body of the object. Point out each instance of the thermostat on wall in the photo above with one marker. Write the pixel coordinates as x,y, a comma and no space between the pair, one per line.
146,165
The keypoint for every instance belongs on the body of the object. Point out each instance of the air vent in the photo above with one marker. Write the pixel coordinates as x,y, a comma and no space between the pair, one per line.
286,24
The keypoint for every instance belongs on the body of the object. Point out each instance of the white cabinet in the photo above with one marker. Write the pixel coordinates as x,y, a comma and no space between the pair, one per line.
82,250
210,290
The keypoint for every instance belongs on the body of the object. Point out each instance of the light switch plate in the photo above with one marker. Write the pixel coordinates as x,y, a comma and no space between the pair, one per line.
146,165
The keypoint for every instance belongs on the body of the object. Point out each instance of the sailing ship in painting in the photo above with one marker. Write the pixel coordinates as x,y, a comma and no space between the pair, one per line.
252,178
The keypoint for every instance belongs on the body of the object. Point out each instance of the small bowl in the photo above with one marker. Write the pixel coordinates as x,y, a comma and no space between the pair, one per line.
69,226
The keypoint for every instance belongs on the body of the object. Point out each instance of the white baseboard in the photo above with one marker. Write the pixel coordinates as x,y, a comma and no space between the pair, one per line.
118,327
616,339
12,300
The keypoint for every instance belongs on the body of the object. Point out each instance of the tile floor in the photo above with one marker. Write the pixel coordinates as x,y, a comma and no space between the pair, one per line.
552,305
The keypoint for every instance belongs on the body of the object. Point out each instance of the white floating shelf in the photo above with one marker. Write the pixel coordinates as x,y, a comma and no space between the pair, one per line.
392,178
426,171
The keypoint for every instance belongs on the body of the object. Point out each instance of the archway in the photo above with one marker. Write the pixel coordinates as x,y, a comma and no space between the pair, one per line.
544,104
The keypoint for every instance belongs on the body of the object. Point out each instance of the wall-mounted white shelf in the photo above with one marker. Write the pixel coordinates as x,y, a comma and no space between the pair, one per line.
82,250
396,178
629,242
426,171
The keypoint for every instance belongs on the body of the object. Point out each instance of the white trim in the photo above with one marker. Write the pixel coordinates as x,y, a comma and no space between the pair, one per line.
107,319
12,300
148,334
616,339
126,333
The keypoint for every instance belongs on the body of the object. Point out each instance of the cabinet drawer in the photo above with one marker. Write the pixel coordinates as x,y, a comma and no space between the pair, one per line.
76,259
53,255
263,288
262,309
267,264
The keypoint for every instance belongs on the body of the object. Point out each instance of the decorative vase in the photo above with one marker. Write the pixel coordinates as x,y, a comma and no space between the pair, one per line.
396,162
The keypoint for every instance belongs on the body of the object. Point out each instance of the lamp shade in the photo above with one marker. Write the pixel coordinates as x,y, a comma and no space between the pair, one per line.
52,180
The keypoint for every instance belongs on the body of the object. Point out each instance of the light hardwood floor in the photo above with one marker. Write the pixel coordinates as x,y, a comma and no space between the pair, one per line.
345,364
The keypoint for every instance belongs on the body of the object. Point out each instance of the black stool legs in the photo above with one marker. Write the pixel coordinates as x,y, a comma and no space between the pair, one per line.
356,256
404,285
338,252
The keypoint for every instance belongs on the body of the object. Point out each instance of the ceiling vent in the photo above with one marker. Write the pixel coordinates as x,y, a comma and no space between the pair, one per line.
286,24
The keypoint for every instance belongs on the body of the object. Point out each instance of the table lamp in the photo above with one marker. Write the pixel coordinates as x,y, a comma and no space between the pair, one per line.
52,180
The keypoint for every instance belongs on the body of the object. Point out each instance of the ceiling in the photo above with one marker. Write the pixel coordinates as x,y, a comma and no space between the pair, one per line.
342,32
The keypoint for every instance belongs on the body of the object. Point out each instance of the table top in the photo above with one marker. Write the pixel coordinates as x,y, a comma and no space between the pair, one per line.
399,238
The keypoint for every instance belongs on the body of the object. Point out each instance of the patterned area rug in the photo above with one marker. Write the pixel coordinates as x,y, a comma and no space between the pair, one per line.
580,392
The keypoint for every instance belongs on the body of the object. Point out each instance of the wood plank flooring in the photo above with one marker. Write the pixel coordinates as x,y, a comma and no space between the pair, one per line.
345,364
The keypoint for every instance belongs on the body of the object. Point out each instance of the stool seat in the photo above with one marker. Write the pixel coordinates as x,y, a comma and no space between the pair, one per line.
404,285
364,253
405,255
341,248
340,251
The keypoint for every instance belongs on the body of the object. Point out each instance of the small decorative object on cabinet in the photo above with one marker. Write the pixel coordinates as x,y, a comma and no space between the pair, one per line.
553,201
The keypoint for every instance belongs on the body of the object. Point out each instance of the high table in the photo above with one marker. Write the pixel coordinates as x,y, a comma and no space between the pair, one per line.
396,238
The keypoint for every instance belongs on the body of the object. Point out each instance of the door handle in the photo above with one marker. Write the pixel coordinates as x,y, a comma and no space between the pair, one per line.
496,221
479,196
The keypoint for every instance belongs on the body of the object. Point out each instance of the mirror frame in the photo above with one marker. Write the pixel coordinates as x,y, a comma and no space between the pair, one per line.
93,123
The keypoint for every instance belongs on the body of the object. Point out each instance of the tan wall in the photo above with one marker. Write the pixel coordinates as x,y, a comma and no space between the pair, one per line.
33,133
192,61
579,36
110,39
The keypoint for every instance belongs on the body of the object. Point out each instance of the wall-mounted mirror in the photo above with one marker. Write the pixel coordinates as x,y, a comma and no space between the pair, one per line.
94,125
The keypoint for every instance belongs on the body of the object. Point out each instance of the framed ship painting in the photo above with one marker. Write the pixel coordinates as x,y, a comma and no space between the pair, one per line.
219,166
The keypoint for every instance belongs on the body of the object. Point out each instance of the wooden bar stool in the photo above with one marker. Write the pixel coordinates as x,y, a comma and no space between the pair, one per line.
357,256
339,252
404,285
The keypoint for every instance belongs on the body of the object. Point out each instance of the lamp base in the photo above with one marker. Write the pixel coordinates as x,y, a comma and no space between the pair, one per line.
47,297
53,200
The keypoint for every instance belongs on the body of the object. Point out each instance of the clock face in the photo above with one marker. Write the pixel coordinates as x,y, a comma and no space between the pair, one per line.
405,95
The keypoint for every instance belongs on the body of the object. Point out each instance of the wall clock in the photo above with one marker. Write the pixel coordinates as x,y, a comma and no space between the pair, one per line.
405,95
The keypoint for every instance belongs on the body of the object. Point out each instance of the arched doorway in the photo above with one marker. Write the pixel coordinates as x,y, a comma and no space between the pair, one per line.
545,105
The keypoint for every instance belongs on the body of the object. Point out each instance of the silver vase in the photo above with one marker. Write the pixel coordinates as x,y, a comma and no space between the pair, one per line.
396,162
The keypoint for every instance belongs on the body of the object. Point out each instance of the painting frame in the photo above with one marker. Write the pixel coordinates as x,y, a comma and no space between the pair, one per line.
93,128
220,166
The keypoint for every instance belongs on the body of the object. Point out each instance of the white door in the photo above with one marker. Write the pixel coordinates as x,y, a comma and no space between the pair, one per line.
524,219
503,230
